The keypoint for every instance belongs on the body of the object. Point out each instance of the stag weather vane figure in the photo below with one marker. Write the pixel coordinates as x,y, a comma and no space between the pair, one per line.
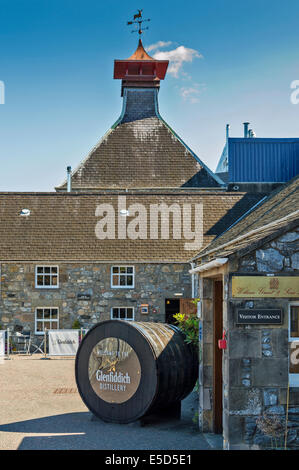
138,20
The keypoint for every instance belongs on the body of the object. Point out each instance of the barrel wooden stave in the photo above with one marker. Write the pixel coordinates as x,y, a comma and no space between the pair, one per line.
169,368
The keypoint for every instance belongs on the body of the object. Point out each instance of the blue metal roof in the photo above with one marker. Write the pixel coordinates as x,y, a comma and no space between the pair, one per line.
262,159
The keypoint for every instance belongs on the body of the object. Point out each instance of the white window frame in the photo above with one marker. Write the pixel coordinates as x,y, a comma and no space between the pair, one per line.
120,274
39,274
125,319
293,378
36,320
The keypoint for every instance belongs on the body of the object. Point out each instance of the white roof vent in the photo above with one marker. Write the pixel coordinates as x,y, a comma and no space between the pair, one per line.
25,212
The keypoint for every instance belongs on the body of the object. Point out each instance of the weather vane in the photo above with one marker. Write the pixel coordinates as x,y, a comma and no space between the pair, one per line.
138,20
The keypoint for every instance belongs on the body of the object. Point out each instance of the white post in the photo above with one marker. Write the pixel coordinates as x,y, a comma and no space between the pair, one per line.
45,343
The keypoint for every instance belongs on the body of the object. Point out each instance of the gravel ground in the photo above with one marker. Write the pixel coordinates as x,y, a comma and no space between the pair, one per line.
41,409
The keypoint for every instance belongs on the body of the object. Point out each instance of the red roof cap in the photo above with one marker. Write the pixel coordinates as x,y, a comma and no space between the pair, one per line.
140,64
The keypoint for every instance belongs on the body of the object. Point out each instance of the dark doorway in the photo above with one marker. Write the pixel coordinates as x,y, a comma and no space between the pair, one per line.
217,369
172,306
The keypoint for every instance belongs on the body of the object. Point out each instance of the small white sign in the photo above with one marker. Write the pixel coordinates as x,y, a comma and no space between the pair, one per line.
199,310
63,342
2,342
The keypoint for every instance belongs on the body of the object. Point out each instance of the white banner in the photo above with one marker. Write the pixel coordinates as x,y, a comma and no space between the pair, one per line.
63,342
2,342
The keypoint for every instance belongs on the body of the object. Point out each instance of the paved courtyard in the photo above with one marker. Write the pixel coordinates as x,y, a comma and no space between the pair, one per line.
40,408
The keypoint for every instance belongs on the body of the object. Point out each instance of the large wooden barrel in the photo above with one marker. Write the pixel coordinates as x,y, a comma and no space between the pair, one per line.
126,370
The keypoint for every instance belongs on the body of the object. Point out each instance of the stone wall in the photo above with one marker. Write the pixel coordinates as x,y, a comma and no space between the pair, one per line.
279,255
256,375
153,284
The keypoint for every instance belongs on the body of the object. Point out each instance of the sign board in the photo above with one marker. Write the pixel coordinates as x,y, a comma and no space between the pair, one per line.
83,297
200,330
265,286
2,342
114,370
63,342
199,309
259,316
144,309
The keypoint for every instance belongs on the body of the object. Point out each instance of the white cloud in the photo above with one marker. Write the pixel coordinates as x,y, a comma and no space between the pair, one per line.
177,57
192,92
157,45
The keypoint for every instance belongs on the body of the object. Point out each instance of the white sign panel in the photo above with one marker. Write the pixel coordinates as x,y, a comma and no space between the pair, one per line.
2,343
199,309
63,342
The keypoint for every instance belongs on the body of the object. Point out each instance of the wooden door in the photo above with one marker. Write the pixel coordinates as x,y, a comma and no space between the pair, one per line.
217,363
188,307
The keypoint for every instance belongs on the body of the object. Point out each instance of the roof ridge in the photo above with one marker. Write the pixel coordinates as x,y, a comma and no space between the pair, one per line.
264,213
268,198
211,173
241,233
291,216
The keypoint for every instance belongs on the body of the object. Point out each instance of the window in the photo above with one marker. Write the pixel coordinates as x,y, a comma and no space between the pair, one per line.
294,344
46,317
122,276
46,277
122,313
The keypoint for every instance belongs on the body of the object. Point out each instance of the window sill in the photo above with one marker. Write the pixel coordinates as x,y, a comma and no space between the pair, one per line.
122,287
47,287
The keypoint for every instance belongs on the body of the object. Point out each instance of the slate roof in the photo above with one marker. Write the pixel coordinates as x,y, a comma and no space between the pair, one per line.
141,151
273,212
61,226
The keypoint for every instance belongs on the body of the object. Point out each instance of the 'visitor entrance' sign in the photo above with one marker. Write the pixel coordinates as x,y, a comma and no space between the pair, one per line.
262,316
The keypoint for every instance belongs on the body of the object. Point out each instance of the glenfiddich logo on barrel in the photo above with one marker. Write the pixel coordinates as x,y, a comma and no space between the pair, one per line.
112,378
114,370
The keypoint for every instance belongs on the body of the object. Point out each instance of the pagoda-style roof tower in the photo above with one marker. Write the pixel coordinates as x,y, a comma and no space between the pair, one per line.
140,151
140,70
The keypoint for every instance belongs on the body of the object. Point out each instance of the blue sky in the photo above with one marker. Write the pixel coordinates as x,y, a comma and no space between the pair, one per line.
56,61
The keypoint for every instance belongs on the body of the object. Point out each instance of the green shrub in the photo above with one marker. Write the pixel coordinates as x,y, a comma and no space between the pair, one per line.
76,325
190,326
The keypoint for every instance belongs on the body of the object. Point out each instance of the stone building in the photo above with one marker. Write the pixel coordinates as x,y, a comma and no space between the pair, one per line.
93,250
249,291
